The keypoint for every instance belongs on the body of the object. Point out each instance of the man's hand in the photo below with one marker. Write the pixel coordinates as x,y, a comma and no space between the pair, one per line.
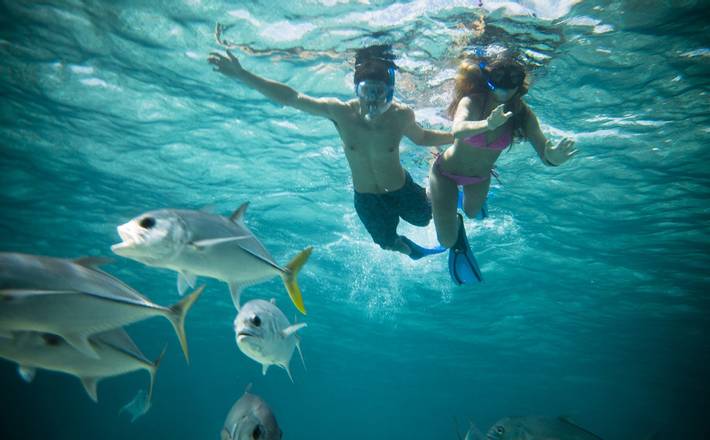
560,153
228,65
498,117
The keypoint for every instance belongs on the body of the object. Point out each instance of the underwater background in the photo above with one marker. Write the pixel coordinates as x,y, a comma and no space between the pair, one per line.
595,301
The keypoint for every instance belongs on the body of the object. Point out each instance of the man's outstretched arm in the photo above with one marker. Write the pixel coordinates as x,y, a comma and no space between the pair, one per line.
278,92
423,136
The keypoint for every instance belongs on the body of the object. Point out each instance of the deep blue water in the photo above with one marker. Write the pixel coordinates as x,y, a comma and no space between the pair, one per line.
595,303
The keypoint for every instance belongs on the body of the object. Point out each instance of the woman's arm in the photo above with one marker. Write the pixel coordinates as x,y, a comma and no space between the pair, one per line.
463,127
275,91
550,154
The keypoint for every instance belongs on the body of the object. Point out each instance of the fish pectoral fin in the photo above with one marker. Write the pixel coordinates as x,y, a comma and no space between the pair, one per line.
90,386
185,281
236,292
291,329
263,259
264,369
92,262
26,373
202,245
81,342
300,353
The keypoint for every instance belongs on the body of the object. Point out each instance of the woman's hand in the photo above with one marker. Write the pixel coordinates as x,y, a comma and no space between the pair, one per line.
228,65
560,153
498,117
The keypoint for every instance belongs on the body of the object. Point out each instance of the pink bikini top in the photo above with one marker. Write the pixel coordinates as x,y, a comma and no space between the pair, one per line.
479,141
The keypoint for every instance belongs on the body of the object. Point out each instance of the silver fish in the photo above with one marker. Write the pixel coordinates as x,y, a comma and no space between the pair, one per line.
118,355
73,299
264,334
196,243
538,428
250,419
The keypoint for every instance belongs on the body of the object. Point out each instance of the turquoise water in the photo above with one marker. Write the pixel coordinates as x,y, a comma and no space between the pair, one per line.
595,300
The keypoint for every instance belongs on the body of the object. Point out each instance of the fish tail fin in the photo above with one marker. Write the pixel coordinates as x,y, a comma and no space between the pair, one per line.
153,371
177,315
290,278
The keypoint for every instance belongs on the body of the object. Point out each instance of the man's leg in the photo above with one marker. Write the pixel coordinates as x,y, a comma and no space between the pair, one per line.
414,205
380,219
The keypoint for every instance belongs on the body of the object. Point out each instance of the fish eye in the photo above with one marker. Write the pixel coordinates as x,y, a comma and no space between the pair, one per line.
256,321
51,340
500,430
256,433
147,222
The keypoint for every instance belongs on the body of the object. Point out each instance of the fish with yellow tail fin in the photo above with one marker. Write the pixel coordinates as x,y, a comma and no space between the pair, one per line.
196,243
74,299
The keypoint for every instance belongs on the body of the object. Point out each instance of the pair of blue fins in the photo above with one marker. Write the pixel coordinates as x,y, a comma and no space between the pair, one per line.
463,266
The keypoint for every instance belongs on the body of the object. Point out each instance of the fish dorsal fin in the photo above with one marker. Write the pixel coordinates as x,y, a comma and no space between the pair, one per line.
90,386
273,301
92,262
238,215
248,388
291,329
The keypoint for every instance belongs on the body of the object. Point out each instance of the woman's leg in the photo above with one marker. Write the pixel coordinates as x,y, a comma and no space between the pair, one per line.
444,196
473,197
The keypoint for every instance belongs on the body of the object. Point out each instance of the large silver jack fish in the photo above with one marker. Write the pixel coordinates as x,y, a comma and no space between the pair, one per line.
74,299
264,334
196,243
250,418
537,428
118,355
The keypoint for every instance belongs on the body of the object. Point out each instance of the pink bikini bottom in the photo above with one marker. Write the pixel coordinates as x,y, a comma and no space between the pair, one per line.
459,180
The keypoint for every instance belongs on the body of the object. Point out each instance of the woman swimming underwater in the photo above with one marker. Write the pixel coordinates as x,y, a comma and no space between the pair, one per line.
488,114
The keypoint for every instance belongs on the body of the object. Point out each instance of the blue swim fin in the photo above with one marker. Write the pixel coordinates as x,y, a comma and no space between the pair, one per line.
483,213
417,252
463,266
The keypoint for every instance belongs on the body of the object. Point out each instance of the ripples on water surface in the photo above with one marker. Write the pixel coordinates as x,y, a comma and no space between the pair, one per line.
595,303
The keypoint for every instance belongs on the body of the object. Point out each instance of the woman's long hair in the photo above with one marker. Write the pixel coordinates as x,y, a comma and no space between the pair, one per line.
470,81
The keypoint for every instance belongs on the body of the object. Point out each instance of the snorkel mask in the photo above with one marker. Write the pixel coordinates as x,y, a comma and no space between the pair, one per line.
503,79
375,95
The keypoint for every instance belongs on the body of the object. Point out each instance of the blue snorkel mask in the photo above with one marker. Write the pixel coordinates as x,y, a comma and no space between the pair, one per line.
505,78
376,95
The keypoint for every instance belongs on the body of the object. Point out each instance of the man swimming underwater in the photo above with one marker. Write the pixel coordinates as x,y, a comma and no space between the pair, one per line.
371,127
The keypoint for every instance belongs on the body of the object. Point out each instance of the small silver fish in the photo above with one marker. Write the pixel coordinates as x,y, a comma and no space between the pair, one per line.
264,334
73,299
196,243
250,419
538,428
118,354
